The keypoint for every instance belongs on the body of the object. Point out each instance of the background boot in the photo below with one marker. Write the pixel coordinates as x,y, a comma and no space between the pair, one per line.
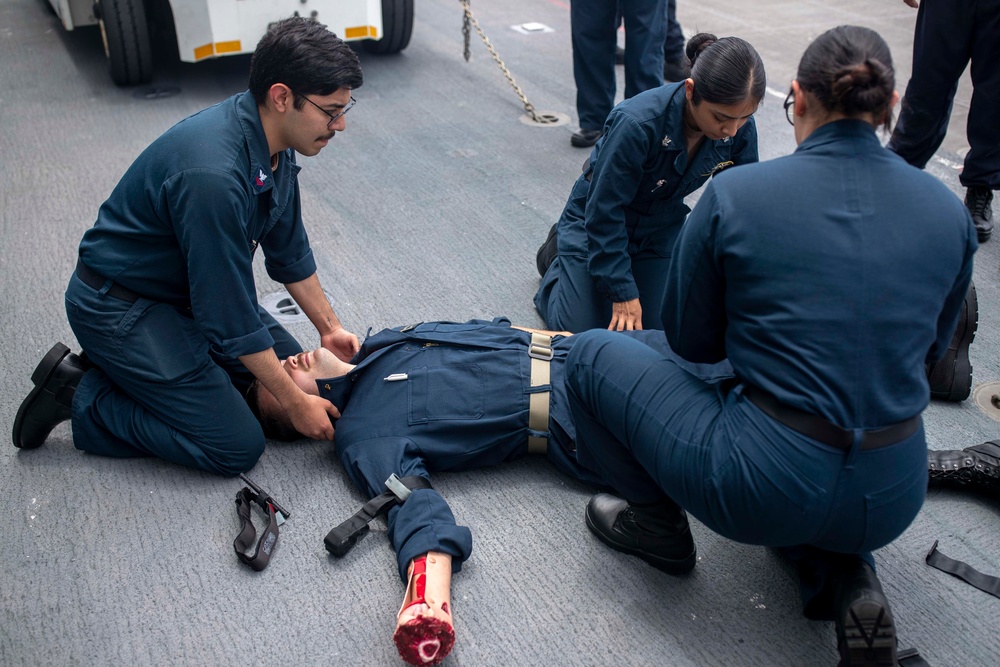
676,69
977,466
658,534
51,401
951,378
978,200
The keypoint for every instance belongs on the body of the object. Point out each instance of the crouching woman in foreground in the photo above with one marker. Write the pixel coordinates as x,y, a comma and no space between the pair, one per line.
828,278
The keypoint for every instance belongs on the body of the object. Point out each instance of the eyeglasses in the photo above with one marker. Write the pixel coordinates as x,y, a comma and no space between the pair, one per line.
334,117
790,107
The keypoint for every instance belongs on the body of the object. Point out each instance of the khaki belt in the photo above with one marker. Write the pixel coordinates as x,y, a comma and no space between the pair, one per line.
540,352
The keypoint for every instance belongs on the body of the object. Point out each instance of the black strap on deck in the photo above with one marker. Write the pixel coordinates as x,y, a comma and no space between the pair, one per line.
341,539
984,582
276,515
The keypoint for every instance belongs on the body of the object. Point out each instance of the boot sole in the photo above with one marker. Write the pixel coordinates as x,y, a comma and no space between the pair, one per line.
963,365
668,565
42,374
869,636
961,386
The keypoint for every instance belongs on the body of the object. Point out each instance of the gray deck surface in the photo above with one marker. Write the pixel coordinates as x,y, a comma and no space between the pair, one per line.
429,206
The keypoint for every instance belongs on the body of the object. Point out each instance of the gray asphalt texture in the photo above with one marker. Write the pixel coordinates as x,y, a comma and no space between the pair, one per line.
430,206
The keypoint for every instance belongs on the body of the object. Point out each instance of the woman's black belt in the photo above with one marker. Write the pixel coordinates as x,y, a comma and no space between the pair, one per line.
97,281
825,431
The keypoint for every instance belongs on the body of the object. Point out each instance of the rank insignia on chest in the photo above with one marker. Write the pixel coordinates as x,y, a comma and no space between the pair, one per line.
666,141
261,178
719,167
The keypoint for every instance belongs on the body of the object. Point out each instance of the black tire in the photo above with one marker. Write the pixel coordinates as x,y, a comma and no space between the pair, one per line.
397,26
126,41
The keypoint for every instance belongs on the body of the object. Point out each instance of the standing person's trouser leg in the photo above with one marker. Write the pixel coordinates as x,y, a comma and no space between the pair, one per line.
593,28
645,31
949,34
673,45
982,163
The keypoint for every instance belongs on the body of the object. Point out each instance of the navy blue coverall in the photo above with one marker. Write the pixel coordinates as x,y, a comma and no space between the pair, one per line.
827,278
462,405
180,230
594,24
617,231
948,34
674,43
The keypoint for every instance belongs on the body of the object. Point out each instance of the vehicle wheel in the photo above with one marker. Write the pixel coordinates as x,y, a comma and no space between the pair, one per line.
126,40
397,26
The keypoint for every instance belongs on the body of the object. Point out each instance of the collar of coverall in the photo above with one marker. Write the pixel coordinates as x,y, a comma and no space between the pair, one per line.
337,390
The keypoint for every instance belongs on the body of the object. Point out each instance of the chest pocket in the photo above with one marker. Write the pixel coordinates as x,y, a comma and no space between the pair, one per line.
660,180
446,393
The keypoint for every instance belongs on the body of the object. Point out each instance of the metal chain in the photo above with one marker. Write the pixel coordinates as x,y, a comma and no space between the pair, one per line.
465,34
469,18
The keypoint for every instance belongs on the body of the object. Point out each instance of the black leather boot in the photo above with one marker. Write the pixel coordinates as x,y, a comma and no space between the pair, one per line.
977,200
676,69
547,251
866,633
585,138
977,467
658,534
51,401
951,378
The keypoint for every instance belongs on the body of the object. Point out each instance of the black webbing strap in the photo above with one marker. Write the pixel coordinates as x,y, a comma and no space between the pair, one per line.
984,582
276,515
341,539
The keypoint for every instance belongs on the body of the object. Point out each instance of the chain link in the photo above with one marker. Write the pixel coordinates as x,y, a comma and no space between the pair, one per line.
467,19
465,32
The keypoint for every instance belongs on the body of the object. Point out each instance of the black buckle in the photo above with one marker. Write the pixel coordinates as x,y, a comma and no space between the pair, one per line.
276,515
342,539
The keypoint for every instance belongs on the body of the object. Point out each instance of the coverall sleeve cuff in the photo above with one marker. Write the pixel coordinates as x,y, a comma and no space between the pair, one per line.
292,273
253,342
621,292
453,540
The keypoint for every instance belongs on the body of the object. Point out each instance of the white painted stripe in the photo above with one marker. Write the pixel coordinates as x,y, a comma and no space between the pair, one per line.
946,162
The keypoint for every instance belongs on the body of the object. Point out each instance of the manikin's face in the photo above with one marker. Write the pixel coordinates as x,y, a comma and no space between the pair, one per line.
305,368
309,130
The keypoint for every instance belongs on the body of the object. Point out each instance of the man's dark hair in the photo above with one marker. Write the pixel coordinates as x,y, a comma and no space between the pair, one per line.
275,426
725,71
302,54
849,69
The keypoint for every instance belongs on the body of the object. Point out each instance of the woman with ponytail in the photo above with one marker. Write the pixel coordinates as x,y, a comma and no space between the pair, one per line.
604,263
827,278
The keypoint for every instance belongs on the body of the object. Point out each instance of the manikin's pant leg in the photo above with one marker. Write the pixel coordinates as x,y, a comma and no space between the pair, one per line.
727,463
424,522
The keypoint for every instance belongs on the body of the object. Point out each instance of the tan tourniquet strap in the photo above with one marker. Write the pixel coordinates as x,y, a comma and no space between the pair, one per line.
540,352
